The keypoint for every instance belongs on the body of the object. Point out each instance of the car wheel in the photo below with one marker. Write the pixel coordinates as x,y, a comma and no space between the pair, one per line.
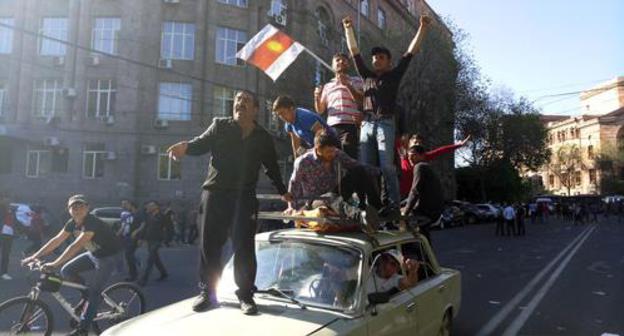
446,328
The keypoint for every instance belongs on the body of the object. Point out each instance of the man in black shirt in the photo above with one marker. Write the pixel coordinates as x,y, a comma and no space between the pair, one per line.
154,229
103,254
425,199
238,146
381,85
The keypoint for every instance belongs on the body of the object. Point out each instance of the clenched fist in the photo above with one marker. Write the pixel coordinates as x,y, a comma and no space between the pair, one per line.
347,23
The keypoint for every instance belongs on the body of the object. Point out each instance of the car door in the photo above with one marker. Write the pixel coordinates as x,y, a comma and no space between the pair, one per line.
395,317
428,293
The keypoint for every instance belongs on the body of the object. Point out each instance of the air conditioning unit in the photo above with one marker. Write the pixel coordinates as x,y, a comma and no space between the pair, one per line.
51,141
161,123
280,19
69,92
148,150
94,60
165,63
171,1
111,156
59,60
109,120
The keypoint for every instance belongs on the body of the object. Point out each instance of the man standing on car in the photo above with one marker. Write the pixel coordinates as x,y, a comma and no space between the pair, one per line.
239,146
103,253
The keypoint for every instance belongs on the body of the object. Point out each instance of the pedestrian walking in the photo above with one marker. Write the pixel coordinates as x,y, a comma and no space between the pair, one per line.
510,218
131,221
239,146
520,217
7,227
154,233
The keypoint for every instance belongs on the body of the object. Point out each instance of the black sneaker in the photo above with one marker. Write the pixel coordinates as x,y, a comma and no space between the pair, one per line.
205,301
248,307
78,332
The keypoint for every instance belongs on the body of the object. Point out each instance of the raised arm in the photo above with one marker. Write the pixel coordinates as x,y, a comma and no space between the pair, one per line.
414,47
347,23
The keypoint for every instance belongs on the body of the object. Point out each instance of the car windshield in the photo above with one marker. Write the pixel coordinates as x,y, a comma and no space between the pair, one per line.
315,274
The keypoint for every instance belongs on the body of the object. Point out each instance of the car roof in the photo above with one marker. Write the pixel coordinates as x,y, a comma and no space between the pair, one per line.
358,239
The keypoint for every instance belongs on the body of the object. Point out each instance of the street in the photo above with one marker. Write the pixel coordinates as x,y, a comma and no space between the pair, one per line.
559,279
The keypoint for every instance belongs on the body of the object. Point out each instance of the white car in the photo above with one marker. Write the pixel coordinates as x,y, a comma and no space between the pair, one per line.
316,284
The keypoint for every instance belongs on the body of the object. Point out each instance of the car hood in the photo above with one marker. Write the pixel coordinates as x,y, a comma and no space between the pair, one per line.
179,320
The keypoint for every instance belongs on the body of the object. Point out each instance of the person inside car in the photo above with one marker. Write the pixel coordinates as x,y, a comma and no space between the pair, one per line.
386,277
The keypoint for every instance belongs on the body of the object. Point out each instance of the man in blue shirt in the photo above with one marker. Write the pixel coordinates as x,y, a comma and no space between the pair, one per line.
302,125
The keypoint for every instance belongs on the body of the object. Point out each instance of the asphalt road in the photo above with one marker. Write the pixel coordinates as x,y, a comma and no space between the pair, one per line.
559,279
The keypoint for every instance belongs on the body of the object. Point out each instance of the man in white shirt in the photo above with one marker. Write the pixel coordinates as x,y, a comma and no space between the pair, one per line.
386,277
510,218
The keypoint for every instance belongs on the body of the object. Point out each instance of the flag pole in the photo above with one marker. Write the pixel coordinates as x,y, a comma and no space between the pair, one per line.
318,58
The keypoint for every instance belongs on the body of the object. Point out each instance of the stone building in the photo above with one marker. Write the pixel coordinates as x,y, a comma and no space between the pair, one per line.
598,130
92,91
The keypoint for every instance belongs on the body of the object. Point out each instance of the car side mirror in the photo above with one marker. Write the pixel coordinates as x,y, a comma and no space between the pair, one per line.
378,298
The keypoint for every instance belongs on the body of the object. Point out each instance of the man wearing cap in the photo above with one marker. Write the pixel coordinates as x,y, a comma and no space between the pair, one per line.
381,85
102,256
386,277
425,199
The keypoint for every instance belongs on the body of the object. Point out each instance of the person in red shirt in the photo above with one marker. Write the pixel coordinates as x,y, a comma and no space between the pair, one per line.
407,175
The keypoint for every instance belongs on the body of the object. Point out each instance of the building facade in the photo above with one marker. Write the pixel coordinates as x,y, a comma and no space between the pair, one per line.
576,142
92,92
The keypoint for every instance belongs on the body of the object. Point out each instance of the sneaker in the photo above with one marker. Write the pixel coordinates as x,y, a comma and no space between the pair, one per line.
78,332
248,307
205,301
5,276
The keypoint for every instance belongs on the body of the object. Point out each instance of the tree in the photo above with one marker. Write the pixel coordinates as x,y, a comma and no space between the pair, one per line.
566,162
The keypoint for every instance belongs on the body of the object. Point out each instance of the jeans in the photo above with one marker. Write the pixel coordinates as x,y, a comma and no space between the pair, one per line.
104,269
223,214
130,246
377,149
348,137
153,258
5,243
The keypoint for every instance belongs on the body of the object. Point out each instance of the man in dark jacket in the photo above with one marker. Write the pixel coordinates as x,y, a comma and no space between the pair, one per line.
154,230
425,198
238,147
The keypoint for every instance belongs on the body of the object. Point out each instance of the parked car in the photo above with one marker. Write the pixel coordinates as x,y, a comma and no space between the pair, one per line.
317,284
491,212
472,214
110,215
452,215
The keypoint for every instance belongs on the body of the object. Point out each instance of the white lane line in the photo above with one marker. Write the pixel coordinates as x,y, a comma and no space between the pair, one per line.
497,319
521,319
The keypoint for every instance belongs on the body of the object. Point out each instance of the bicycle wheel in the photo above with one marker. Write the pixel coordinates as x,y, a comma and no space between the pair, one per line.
120,302
23,316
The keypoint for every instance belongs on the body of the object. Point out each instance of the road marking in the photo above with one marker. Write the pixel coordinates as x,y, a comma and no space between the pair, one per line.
521,319
497,319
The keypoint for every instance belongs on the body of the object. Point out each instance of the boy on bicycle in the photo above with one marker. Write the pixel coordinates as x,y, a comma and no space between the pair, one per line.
103,253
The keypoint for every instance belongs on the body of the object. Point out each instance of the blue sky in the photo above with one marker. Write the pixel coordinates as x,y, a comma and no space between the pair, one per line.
541,47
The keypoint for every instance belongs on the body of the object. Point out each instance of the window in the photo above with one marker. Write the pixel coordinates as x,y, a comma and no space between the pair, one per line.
364,7
168,169
238,3
93,161
60,158
6,153
278,7
47,97
381,18
551,180
323,23
55,28
3,98
229,41
590,152
37,162
223,101
174,101
178,41
592,176
577,178
101,98
6,36
105,35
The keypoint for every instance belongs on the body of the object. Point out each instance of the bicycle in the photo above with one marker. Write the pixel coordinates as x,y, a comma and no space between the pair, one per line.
32,316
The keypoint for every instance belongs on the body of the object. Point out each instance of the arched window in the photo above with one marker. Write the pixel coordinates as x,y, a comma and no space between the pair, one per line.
323,23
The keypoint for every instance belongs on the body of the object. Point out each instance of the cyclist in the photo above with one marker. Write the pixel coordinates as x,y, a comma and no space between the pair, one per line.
103,255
